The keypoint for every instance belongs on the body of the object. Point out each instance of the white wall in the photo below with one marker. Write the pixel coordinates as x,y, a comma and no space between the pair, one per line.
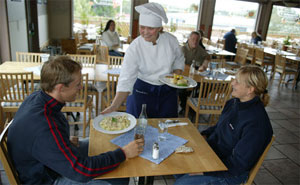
17,27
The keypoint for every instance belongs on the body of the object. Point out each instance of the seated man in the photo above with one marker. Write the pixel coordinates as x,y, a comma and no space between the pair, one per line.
38,138
193,52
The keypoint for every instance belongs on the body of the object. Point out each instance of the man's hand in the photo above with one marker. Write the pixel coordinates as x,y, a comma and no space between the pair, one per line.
74,140
134,148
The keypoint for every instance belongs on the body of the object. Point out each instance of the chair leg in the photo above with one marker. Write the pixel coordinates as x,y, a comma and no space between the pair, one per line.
197,119
280,79
187,107
97,103
84,123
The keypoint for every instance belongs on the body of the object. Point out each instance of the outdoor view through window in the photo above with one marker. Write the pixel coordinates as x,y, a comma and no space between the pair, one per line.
232,14
92,15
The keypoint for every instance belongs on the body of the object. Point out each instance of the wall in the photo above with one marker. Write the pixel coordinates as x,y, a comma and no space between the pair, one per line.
4,36
60,19
43,25
17,27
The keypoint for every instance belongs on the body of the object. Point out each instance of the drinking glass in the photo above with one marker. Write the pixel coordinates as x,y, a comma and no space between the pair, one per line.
162,131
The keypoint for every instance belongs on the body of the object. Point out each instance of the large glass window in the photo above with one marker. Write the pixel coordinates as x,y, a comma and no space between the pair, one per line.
92,16
232,14
182,15
284,25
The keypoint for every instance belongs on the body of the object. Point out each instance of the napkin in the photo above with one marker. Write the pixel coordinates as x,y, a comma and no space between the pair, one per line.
174,123
166,148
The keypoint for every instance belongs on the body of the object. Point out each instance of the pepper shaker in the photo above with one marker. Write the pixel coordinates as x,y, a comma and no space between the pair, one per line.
155,151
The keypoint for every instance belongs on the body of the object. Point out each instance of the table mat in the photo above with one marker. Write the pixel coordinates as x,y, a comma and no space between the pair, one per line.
166,148
36,70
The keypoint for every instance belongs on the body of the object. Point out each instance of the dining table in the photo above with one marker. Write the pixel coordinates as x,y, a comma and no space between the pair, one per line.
202,159
214,51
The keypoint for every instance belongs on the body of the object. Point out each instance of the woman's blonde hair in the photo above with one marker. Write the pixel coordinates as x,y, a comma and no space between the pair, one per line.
256,77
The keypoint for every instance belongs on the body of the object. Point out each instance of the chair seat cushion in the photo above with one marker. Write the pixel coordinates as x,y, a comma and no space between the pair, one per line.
77,104
194,101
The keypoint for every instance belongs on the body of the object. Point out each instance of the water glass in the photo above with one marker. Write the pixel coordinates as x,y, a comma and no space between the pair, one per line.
162,131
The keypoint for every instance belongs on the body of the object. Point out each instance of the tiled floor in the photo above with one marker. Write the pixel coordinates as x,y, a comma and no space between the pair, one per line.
282,164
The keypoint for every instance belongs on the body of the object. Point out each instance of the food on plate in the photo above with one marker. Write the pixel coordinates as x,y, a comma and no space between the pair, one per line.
115,123
179,80
184,149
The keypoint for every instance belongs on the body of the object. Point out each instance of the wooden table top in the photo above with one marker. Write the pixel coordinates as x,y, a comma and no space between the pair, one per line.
203,159
16,67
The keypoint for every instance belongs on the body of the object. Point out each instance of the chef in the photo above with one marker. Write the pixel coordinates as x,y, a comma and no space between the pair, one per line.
152,54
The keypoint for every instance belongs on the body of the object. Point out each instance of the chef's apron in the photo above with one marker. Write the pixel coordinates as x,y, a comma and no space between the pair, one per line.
161,100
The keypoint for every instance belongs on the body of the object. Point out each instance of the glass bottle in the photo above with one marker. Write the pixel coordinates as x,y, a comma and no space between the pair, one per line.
192,68
140,129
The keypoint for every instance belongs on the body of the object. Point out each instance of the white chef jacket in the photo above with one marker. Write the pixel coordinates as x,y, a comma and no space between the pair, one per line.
110,38
147,62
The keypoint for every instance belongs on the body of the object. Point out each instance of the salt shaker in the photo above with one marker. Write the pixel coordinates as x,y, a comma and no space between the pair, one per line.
155,151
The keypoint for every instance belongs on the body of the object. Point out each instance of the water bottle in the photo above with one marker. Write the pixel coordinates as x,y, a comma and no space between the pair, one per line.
192,68
140,129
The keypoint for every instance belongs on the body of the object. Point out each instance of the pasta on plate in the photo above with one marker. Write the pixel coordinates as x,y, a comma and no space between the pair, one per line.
115,123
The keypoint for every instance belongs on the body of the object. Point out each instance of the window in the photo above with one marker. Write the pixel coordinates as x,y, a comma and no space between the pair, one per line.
232,14
284,23
92,16
182,16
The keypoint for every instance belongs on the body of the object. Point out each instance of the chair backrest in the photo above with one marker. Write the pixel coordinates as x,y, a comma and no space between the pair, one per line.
256,167
214,92
85,60
251,53
28,57
111,86
15,87
101,52
115,62
205,40
280,61
6,161
83,93
212,43
259,54
241,56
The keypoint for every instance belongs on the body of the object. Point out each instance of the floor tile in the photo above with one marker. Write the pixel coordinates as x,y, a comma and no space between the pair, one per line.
283,136
289,151
287,125
264,177
285,170
290,113
159,182
276,115
273,153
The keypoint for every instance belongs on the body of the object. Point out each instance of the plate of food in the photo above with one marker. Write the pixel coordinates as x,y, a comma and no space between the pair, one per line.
114,123
178,81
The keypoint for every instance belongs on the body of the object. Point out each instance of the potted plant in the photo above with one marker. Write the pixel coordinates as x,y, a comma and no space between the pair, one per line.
286,43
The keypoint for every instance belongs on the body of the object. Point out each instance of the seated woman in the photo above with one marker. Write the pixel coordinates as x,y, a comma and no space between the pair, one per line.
255,38
242,132
111,38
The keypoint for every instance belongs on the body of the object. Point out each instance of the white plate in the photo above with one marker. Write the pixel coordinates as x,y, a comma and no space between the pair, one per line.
191,83
99,118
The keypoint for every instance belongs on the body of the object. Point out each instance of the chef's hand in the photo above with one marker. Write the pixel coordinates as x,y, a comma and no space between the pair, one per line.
109,109
134,148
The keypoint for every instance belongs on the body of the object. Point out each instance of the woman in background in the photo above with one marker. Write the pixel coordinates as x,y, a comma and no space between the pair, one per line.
111,38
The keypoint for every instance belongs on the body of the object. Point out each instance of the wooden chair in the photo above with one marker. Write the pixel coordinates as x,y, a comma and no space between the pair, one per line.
81,104
115,62
239,60
281,66
110,92
28,57
256,167
251,54
6,161
82,47
15,87
213,95
205,41
101,53
263,61
89,61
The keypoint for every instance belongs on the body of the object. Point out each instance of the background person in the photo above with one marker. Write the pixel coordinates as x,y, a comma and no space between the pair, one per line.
111,38
255,38
152,54
201,39
192,51
230,41
38,138
242,132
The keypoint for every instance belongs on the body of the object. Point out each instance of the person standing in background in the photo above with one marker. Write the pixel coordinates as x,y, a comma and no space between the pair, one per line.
230,41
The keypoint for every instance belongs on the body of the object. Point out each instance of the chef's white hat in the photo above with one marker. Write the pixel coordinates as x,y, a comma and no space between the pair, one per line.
151,14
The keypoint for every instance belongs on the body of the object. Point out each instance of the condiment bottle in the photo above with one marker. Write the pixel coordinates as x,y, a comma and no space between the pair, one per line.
155,151
140,129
